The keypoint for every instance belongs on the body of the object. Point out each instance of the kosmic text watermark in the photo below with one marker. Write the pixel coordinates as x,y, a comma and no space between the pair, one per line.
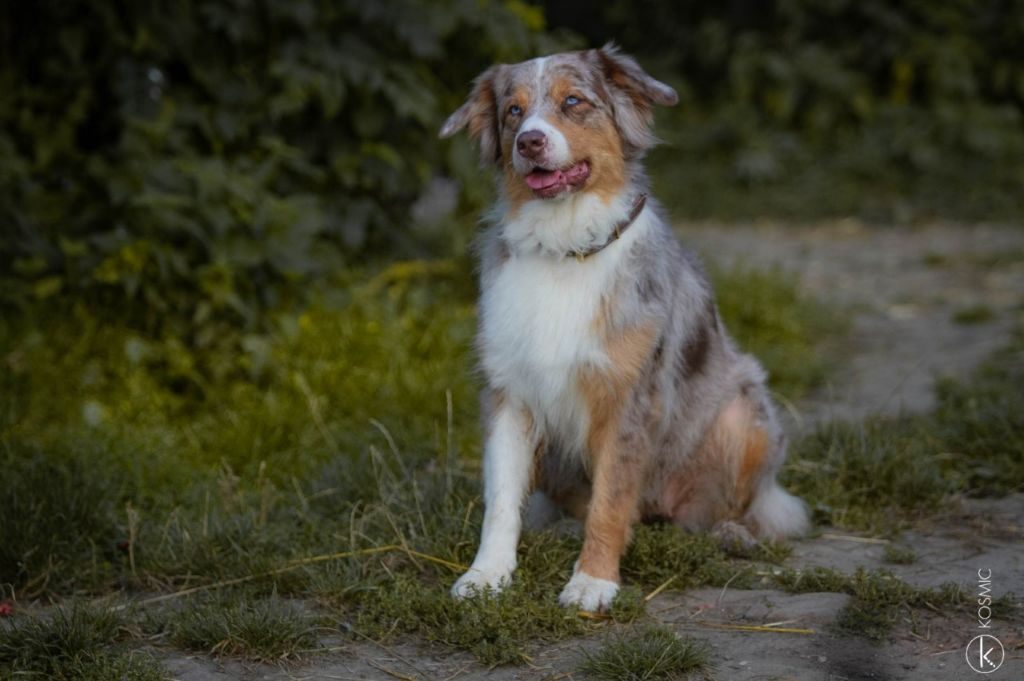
985,652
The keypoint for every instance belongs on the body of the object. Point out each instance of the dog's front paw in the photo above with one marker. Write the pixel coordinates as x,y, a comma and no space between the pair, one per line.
479,580
591,594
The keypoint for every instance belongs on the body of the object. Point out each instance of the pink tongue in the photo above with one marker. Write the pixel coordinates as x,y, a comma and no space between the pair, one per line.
542,179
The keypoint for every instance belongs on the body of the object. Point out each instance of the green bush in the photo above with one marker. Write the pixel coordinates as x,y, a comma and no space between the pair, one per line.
806,109
199,162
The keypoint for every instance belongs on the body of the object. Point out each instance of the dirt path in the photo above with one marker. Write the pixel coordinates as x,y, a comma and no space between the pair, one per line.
904,289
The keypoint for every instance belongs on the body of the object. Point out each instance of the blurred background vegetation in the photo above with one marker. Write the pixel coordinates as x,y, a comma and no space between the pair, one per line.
194,163
198,162
233,248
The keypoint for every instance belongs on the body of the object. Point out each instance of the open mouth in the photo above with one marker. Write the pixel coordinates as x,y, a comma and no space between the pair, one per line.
547,183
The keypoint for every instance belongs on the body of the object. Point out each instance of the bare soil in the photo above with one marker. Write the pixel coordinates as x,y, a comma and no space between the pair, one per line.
903,289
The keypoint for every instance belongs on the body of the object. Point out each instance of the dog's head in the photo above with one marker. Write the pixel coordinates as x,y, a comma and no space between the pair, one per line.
561,124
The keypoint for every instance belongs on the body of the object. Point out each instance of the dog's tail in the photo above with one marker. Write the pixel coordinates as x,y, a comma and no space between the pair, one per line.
776,514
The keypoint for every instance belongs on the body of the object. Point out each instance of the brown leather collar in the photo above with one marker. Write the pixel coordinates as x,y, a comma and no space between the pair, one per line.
617,230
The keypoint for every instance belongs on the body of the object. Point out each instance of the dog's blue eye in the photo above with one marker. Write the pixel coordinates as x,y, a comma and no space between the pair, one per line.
572,101
515,110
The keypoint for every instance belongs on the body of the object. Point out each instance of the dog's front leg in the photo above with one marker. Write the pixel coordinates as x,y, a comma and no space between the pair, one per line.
610,516
508,471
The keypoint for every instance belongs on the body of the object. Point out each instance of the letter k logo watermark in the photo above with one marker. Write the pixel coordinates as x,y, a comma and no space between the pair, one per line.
985,654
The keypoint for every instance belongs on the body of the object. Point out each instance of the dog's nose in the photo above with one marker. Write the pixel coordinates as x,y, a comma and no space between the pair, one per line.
531,143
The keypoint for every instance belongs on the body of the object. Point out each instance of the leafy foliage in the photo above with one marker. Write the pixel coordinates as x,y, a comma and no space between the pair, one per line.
200,162
803,109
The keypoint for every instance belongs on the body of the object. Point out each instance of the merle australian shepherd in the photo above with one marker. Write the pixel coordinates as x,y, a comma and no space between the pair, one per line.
613,391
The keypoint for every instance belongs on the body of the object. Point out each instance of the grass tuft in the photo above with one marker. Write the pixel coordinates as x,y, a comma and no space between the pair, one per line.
56,518
268,630
651,652
72,643
34,642
979,425
974,314
898,555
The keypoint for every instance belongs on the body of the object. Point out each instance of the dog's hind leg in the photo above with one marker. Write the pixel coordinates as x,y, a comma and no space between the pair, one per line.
734,492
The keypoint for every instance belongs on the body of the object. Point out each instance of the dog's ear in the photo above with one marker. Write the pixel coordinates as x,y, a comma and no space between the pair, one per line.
480,113
632,92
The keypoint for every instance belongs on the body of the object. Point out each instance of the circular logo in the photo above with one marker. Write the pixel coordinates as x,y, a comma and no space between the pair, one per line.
985,654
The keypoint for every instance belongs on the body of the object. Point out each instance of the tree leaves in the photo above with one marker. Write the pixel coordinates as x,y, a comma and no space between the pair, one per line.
213,155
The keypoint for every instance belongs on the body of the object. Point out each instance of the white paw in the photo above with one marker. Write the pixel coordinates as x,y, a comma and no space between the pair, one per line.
591,594
479,580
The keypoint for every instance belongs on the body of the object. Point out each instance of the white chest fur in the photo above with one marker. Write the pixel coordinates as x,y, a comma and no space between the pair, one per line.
537,329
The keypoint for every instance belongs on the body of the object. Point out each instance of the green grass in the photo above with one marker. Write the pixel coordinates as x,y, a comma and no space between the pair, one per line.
936,260
884,472
974,314
772,318
502,628
72,643
1006,258
648,653
267,630
193,455
58,521
874,475
69,633
660,552
980,426
878,598
124,666
899,555
496,629
354,426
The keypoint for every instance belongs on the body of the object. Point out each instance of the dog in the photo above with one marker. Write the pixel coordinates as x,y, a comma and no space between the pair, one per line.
613,391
